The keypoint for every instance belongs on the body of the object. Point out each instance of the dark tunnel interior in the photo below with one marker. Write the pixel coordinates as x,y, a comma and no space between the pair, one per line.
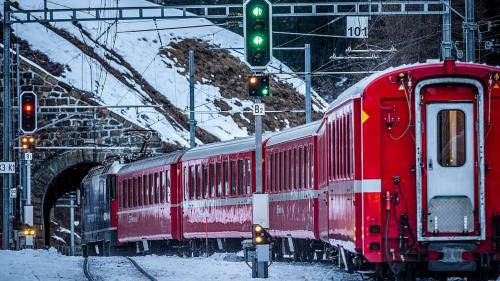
67,181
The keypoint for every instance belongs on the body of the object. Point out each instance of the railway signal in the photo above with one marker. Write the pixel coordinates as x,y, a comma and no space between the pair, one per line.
257,26
260,236
27,143
258,85
28,112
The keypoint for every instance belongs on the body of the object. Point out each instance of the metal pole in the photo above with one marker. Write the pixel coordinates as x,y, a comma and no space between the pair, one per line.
469,27
72,226
258,152
192,121
446,44
6,136
307,49
45,9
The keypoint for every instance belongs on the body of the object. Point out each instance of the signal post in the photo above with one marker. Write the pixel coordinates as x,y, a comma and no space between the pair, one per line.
28,120
257,21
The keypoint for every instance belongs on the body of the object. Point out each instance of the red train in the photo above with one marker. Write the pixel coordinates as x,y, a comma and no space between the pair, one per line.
398,179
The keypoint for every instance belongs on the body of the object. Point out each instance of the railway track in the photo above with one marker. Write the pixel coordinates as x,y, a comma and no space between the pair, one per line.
93,277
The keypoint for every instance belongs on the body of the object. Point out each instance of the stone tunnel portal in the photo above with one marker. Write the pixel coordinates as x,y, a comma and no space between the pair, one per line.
66,181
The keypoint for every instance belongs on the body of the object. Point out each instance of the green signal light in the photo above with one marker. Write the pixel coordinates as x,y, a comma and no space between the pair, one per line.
257,11
258,40
265,91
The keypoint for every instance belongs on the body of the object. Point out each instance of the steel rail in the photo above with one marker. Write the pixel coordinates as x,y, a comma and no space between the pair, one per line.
138,267
86,270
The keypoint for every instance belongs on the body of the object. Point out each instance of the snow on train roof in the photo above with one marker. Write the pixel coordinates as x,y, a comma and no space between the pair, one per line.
155,161
221,148
294,133
358,88
111,168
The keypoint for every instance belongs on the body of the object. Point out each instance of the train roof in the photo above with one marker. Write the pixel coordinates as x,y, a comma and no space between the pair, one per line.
151,162
222,148
294,133
111,168
357,89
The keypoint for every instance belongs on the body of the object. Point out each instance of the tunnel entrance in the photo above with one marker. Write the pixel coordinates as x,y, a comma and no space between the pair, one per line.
66,181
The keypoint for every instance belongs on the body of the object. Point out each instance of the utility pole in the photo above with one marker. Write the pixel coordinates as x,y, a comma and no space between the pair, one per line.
192,121
6,134
72,225
307,49
468,28
446,43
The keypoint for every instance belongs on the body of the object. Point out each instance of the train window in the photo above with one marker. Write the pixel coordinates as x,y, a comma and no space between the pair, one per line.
330,148
286,171
337,149
349,145
240,177
135,191
204,181
129,193
211,180
112,187
151,189
145,189
162,187
139,192
271,173
451,138
306,167
167,183
280,171
218,179
311,159
191,182
290,170
226,179
157,188
249,176
186,189
198,181
296,169
233,177
299,163
343,139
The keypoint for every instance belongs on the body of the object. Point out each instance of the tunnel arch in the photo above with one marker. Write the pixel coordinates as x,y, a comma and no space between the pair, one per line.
56,176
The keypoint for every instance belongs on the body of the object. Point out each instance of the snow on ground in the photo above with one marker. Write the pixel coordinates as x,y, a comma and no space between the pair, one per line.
29,265
223,267
41,265
140,50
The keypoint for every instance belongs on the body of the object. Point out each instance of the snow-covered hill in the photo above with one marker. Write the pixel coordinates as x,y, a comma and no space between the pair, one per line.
122,67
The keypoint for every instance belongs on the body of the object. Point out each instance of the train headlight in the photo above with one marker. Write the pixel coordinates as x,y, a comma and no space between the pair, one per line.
26,232
32,232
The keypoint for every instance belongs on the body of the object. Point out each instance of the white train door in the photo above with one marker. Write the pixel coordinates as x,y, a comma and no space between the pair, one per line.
450,161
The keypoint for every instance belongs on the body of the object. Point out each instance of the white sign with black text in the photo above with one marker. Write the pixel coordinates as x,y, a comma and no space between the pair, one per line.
357,27
7,167
259,109
28,156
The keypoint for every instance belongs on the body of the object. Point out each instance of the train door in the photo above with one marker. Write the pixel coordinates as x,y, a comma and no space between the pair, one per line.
450,161
450,154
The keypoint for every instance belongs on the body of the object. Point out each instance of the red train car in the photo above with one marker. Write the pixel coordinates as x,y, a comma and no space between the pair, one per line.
290,182
217,184
148,202
409,163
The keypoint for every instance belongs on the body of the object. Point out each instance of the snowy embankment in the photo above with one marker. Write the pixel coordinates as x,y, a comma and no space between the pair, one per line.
29,265
120,62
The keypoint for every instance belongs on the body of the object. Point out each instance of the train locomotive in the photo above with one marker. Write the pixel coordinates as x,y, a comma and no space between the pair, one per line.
397,179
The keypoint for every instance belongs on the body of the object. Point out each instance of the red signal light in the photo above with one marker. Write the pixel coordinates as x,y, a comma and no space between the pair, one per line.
28,108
